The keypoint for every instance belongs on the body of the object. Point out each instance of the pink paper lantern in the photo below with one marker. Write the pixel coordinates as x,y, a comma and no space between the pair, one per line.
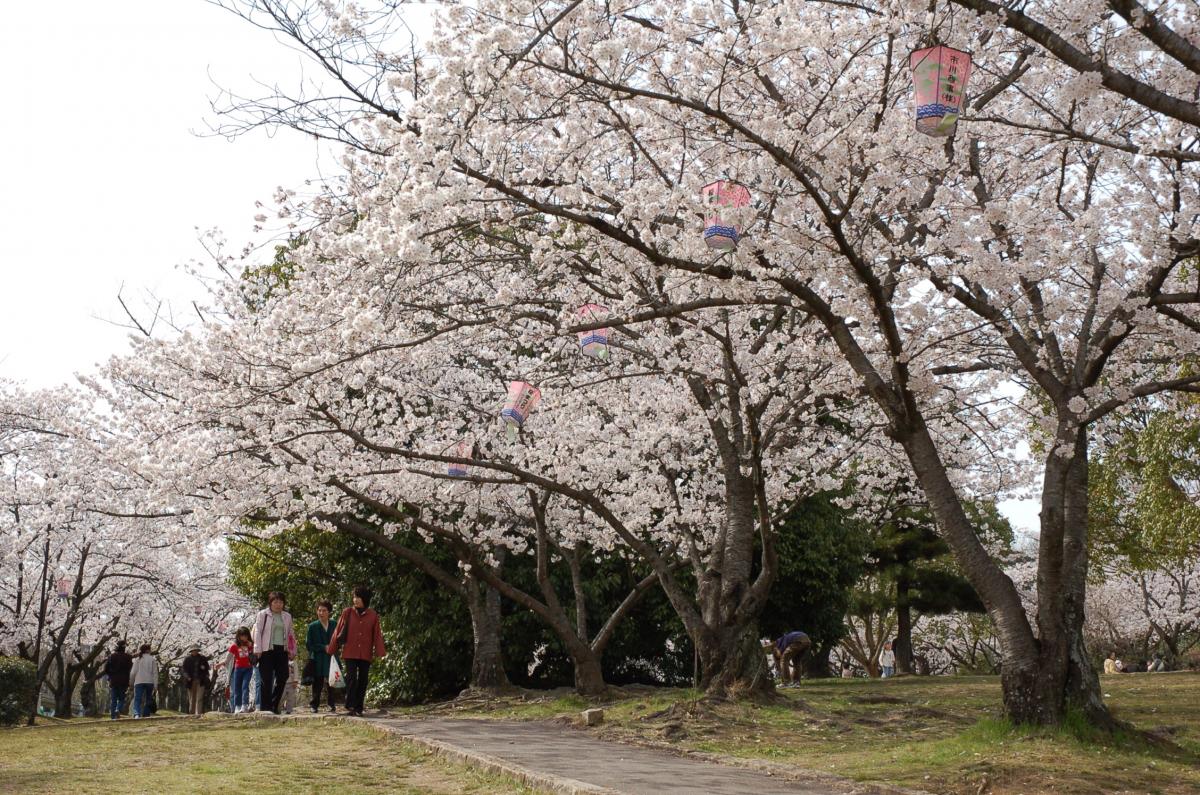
63,585
721,229
940,77
522,399
593,343
458,450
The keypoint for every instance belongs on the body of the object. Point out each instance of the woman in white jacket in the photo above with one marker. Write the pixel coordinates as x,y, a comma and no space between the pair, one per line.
144,676
275,645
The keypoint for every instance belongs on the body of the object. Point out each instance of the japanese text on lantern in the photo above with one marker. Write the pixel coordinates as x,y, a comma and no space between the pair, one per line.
522,398
940,76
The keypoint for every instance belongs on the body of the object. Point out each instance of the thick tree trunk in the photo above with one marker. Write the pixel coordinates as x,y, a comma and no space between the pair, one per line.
589,674
732,662
734,665
1041,677
487,662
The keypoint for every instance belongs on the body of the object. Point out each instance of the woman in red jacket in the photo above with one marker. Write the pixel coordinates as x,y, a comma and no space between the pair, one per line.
361,639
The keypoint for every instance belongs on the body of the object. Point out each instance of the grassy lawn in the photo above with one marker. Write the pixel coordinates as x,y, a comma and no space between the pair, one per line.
942,734
188,756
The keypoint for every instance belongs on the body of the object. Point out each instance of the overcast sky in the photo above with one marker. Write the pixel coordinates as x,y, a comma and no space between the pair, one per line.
107,171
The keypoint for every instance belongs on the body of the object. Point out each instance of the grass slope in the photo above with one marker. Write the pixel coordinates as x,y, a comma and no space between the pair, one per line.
188,756
941,734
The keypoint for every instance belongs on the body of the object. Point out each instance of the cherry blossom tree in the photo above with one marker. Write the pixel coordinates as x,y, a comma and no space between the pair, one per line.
85,559
1041,251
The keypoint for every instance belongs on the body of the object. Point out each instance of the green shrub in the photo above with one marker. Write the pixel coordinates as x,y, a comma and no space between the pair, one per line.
17,678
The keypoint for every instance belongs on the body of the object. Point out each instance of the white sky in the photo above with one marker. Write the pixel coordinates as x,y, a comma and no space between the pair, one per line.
106,177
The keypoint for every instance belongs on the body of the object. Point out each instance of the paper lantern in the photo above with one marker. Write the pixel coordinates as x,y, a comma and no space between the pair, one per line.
721,229
522,398
593,343
223,626
63,585
940,77
458,450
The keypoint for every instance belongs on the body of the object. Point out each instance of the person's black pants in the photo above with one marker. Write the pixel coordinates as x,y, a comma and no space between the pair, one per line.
356,683
273,667
319,683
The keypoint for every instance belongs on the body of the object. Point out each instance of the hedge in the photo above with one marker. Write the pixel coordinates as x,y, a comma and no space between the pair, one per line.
17,678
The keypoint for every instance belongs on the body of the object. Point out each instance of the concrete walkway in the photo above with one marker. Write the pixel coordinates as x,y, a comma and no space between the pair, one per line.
573,762
600,765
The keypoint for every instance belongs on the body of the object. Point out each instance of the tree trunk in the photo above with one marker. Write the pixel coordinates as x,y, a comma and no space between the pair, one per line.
1041,676
902,647
87,695
816,666
734,665
589,674
732,661
487,662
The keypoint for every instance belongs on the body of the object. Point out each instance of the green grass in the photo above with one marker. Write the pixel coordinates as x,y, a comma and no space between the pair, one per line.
189,756
942,734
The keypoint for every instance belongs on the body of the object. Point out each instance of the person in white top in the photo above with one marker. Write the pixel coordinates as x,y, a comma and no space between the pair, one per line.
275,645
887,660
144,676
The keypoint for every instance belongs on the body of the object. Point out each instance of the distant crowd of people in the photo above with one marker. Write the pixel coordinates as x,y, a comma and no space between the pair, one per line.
339,655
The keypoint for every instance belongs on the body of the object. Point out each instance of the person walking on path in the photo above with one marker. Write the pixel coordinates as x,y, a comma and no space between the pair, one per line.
275,642
887,660
319,636
195,679
241,670
117,668
145,677
788,651
361,638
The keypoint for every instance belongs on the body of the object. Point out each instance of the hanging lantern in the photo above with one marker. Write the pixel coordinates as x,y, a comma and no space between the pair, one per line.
720,226
522,398
222,626
63,586
197,609
458,450
940,77
594,343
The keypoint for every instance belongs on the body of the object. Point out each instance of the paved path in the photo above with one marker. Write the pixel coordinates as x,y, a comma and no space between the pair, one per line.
572,761
586,764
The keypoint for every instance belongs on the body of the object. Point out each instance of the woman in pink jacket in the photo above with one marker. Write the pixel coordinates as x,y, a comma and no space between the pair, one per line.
275,645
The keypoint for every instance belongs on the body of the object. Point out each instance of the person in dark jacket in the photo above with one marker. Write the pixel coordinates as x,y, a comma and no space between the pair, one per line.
788,651
361,639
117,668
195,679
320,635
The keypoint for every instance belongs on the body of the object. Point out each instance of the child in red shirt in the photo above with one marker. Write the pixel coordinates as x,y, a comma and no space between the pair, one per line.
238,661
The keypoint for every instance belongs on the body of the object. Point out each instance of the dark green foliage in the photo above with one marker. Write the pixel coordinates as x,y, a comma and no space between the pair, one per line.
18,679
821,553
427,627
